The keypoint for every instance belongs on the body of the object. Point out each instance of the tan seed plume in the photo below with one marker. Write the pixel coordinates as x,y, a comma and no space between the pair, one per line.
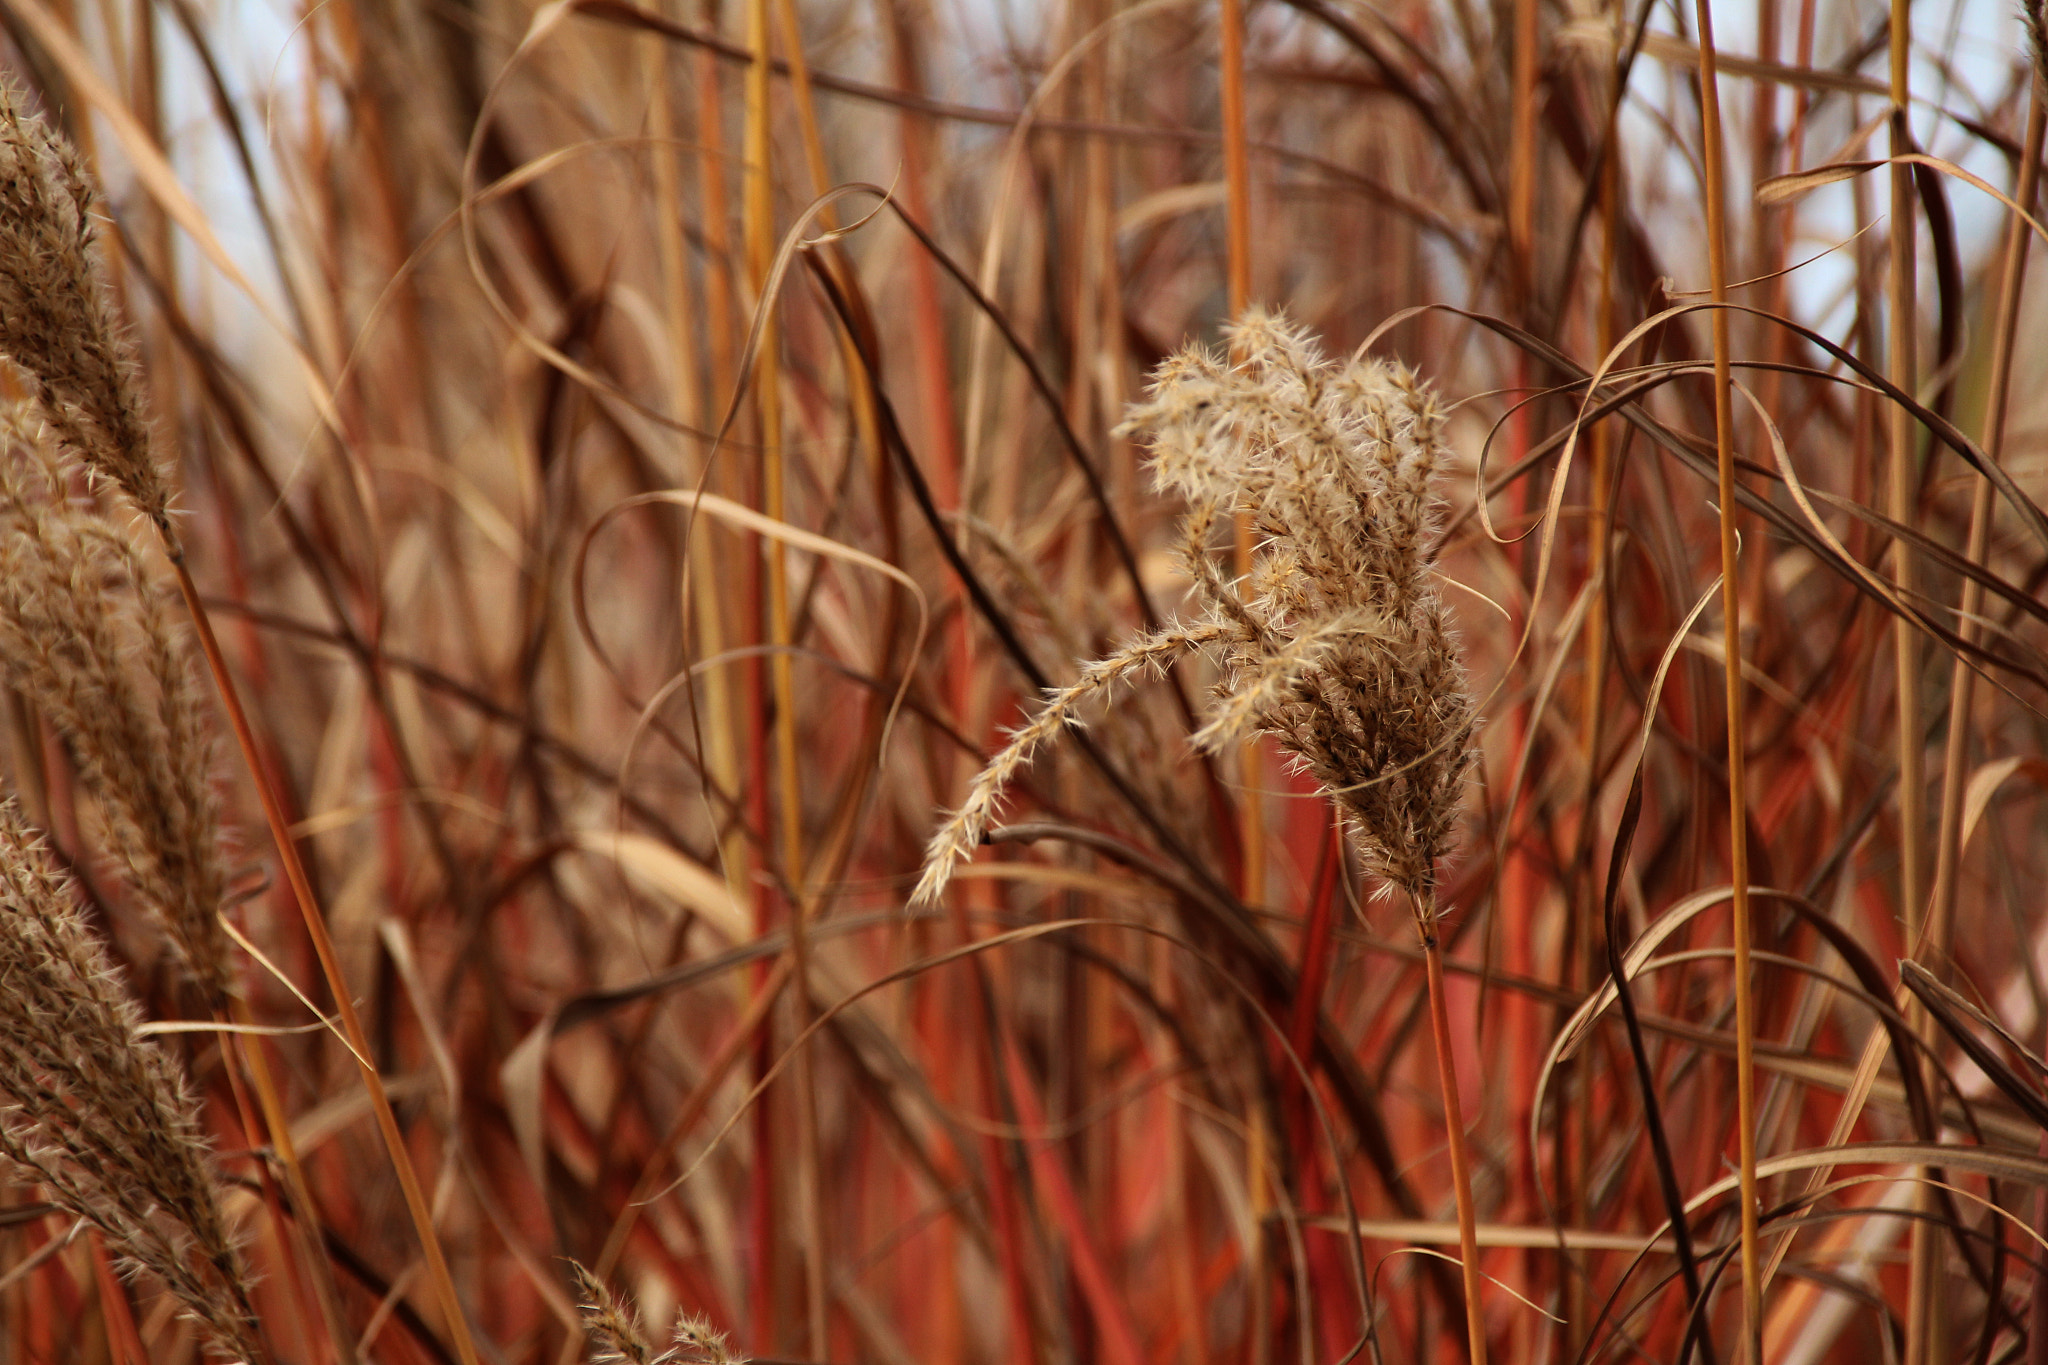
99,1114
57,321
87,633
616,1338
1336,643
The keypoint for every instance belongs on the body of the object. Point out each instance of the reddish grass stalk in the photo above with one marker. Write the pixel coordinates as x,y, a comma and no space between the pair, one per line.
337,985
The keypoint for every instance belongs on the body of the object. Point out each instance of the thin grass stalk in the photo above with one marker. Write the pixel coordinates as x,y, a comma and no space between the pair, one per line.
1519,895
1252,809
330,965
772,613
1238,291
1522,155
1924,1307
1236,160
810,1161
1962,677
291,1243
1427,926
1578,1174
728,717
305,1224
1713,154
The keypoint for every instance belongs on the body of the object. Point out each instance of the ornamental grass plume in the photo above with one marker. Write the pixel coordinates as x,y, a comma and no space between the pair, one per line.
96,1112
616,1337
84,630
57,318
88,634
1335,643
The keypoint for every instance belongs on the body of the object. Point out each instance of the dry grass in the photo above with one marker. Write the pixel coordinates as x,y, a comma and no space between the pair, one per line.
439,386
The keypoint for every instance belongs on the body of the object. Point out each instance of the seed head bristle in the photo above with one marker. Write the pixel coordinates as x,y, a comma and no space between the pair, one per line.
611,1325
961,832
2034,15
693,1341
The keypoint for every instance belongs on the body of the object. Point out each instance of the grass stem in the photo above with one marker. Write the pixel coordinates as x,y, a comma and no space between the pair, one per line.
1714,154
323,947
1454,1134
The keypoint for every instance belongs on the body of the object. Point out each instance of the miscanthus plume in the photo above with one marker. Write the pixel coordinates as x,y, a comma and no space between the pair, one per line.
1335,643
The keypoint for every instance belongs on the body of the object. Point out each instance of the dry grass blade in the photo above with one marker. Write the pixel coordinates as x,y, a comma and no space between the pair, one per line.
1714,157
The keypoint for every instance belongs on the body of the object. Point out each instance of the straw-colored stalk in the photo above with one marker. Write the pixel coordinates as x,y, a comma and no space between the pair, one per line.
1925,1331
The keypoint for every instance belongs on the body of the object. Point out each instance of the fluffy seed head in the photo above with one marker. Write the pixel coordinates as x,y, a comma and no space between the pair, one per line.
616,1338
612,1327
57,323
99,1114
1335,643
86,632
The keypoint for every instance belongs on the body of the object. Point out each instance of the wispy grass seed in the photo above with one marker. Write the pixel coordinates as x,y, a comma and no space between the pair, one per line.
1336,643
88,634
98,1113
57,319
616,1337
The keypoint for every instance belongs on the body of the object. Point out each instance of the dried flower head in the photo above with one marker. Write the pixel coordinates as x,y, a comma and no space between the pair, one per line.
87,634
57,322
616,1338
1335,643
99,1114
613,1328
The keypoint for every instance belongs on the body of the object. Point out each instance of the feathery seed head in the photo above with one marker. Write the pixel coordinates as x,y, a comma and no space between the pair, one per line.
1335,642
57,322
99,1114
88,635
616,1338
613,1328
694,1342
